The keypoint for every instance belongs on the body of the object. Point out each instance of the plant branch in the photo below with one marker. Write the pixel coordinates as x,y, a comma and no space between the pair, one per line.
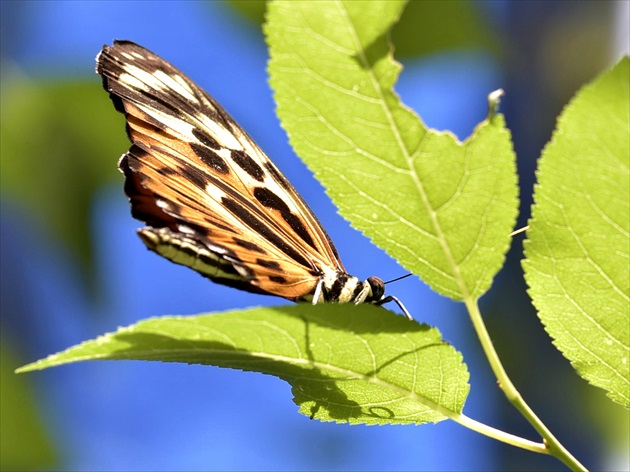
552,445
499,435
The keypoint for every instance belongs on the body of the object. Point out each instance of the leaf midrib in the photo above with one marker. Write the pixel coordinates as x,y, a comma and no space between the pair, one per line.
446,249
253,357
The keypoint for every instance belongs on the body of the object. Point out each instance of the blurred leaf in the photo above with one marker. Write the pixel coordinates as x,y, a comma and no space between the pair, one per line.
24,444
356,364
56,151
431,26
253,10
577,250
442,208
426,27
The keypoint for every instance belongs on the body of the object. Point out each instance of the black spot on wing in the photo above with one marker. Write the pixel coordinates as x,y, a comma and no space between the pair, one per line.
196,176
167,171
249,165
249,245
269,264
206,139
263,230
165,103
211,158
269,199
278,279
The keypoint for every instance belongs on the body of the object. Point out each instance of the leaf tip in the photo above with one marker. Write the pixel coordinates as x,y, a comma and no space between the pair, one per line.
25,368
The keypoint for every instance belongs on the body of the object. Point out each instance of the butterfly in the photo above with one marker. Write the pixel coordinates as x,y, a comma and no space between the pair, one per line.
210,197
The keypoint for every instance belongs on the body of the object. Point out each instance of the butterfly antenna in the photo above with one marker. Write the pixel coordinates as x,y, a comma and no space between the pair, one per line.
391,298
398,278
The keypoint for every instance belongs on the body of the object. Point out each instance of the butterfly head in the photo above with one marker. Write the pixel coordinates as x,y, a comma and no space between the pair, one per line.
375,289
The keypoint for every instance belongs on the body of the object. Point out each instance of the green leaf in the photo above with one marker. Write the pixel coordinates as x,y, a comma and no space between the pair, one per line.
25,444
577,250
254,10
346,364
442,208
433,26
427,27
56,151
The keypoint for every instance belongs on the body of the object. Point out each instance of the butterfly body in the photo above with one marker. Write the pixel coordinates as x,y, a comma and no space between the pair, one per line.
210,197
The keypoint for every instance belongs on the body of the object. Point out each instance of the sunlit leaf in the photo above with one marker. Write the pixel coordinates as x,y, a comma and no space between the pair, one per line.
577,248
442,208
357,364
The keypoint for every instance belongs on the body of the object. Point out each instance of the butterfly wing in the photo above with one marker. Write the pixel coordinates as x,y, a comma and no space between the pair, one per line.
211,198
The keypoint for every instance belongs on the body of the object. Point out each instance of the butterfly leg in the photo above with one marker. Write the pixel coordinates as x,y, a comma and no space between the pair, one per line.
317,294
391,298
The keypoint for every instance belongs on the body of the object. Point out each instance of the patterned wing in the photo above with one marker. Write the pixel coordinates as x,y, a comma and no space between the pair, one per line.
211,199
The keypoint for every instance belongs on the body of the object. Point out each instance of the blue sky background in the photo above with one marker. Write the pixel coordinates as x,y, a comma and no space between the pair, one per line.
152,416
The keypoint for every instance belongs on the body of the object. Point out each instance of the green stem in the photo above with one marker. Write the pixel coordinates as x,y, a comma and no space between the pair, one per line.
552,445
499,435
